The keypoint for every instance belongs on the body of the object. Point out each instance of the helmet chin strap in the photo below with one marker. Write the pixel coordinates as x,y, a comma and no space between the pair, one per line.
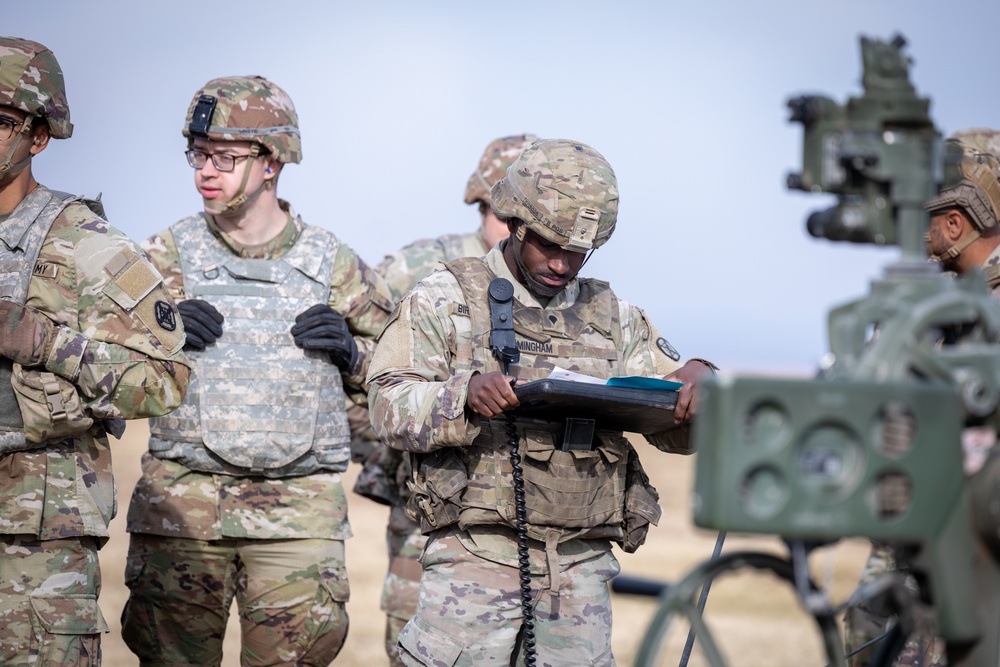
241,200
953,251
535,287
6,167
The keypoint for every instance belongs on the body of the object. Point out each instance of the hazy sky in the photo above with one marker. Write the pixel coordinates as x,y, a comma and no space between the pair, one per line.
398,99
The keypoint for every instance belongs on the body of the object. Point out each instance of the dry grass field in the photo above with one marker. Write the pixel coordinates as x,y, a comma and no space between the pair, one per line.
754,617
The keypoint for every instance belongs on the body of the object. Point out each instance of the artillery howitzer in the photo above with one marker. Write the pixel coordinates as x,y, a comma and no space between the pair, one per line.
872,446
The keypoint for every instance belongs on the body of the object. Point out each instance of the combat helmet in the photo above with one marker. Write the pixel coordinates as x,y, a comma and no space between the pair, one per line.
246,108
971,181
986,139
564,191
32,81
499,155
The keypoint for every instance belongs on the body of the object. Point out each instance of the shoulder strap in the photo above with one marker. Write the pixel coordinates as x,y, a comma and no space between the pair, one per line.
23,235
474,278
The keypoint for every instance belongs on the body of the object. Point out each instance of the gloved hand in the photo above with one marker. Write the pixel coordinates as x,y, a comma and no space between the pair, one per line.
323,328
202,323
25,334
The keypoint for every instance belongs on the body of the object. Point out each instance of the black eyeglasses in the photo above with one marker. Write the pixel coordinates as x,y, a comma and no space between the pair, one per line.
222,161
7,127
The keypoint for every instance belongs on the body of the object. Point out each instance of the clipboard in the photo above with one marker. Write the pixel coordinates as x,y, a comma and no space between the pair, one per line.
636,410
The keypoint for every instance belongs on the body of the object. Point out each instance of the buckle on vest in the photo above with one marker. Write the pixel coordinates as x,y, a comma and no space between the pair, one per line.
578,435
53,396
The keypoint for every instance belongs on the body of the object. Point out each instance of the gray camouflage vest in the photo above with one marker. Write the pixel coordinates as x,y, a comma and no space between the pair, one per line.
22,235
257,404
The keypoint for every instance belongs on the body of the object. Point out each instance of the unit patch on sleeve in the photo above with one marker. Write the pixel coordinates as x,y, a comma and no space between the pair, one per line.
667,349
165,315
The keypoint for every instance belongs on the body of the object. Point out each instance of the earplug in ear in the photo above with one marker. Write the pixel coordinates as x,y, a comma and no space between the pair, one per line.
268,170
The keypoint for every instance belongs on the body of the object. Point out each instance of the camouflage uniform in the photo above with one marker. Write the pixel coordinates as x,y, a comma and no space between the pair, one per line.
115,354
977,182
468,608
384,475
199,539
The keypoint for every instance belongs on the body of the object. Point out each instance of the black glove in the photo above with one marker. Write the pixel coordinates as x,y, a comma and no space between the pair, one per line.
202,323
323,328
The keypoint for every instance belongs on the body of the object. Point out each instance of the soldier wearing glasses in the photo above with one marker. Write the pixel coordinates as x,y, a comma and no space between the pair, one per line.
241,494
88,337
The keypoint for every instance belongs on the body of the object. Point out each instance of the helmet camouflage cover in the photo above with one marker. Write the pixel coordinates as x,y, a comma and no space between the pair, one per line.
247,108
987,140
971,180
493,165
32,81
564,191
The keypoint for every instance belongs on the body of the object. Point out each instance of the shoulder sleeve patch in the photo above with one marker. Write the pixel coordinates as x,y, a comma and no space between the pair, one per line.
133,287
667,349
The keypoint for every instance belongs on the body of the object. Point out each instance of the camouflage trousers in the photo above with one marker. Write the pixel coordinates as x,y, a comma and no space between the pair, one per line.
48,602
290,595
402,581
863,624
469,612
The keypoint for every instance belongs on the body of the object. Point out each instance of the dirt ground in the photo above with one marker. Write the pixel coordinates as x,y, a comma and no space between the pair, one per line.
754,617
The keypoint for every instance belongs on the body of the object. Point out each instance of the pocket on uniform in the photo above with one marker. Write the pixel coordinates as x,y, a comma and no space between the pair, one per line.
68,615
641,504
50,405
325,628
428,646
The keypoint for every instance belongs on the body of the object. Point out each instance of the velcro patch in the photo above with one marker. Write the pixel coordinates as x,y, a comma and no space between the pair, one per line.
667,349
459,309
132,278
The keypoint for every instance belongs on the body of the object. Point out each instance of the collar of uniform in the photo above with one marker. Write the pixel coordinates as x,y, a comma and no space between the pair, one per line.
17,222
566,298
272,249
993,259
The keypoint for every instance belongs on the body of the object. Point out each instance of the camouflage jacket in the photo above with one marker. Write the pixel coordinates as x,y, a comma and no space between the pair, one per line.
382,476
992,269
404,268
123,361
175,501
420,374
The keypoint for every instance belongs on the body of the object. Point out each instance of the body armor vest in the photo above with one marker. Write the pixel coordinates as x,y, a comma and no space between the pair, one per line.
257,404
569,494
23,234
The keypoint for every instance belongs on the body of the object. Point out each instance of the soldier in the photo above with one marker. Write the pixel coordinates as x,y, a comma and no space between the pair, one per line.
963,236
403,269
436,392
89,336
241,492
383,478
